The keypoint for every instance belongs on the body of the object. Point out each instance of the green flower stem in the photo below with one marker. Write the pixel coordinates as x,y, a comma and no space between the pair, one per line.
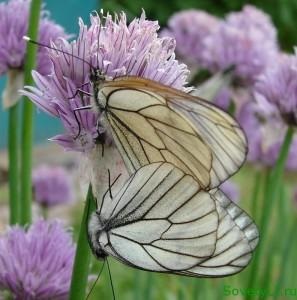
274,245
83,254
256,194
13,147
198,289
268,267
270,197
27,121
137,285
148,288
275,181
286,262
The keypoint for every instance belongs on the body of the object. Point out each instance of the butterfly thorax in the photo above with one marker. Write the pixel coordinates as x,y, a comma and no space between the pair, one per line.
97,236
97,79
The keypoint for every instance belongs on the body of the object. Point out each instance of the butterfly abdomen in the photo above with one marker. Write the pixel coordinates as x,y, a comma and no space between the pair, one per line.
97,236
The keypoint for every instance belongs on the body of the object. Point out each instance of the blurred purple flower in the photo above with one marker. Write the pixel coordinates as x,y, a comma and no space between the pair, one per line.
52,185
190,28
14,16
231,190
116,49
273,151
278,85
247,117
37,263
223,98
265,133
246,40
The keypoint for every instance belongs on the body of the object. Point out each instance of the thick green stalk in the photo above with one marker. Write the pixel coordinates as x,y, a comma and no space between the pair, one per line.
27,121
285,264
198,288
13,148
274,182
271,194
137,285
82,259
280,227
148,288
256,194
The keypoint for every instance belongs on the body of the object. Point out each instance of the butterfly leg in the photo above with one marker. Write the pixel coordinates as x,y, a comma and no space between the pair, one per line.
102,152
111,184
76,118
110,278
101,136
95,282
81,91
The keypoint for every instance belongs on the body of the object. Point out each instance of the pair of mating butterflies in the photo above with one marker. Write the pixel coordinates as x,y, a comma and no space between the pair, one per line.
170,216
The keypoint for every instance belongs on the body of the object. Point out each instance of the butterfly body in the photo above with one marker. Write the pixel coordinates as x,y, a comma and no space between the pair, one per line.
97,78
95,231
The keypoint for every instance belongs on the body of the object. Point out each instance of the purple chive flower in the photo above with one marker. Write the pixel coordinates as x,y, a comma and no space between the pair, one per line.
273,151
116,49
52,186
14,16
247,117
278,85
231,190
190,28
37,263
223,98
265,133
246,41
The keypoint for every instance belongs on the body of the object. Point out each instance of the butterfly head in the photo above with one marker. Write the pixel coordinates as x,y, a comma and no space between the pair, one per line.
97,78
97,236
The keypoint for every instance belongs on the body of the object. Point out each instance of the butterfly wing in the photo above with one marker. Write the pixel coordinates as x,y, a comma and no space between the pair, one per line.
220,132
161,220
151,122
237,237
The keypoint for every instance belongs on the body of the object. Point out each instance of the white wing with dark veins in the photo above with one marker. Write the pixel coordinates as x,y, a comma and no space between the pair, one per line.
161,220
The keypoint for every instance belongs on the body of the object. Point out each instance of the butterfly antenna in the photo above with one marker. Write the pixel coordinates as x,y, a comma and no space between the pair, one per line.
109,189
109,185
116,179
110,278
75,111
95,282
28,39
102,152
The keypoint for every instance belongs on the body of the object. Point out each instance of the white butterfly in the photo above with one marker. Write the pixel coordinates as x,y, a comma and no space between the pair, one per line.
151,122
161,220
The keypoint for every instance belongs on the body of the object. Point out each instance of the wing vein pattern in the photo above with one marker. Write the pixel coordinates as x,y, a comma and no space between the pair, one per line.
151,122
162,220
